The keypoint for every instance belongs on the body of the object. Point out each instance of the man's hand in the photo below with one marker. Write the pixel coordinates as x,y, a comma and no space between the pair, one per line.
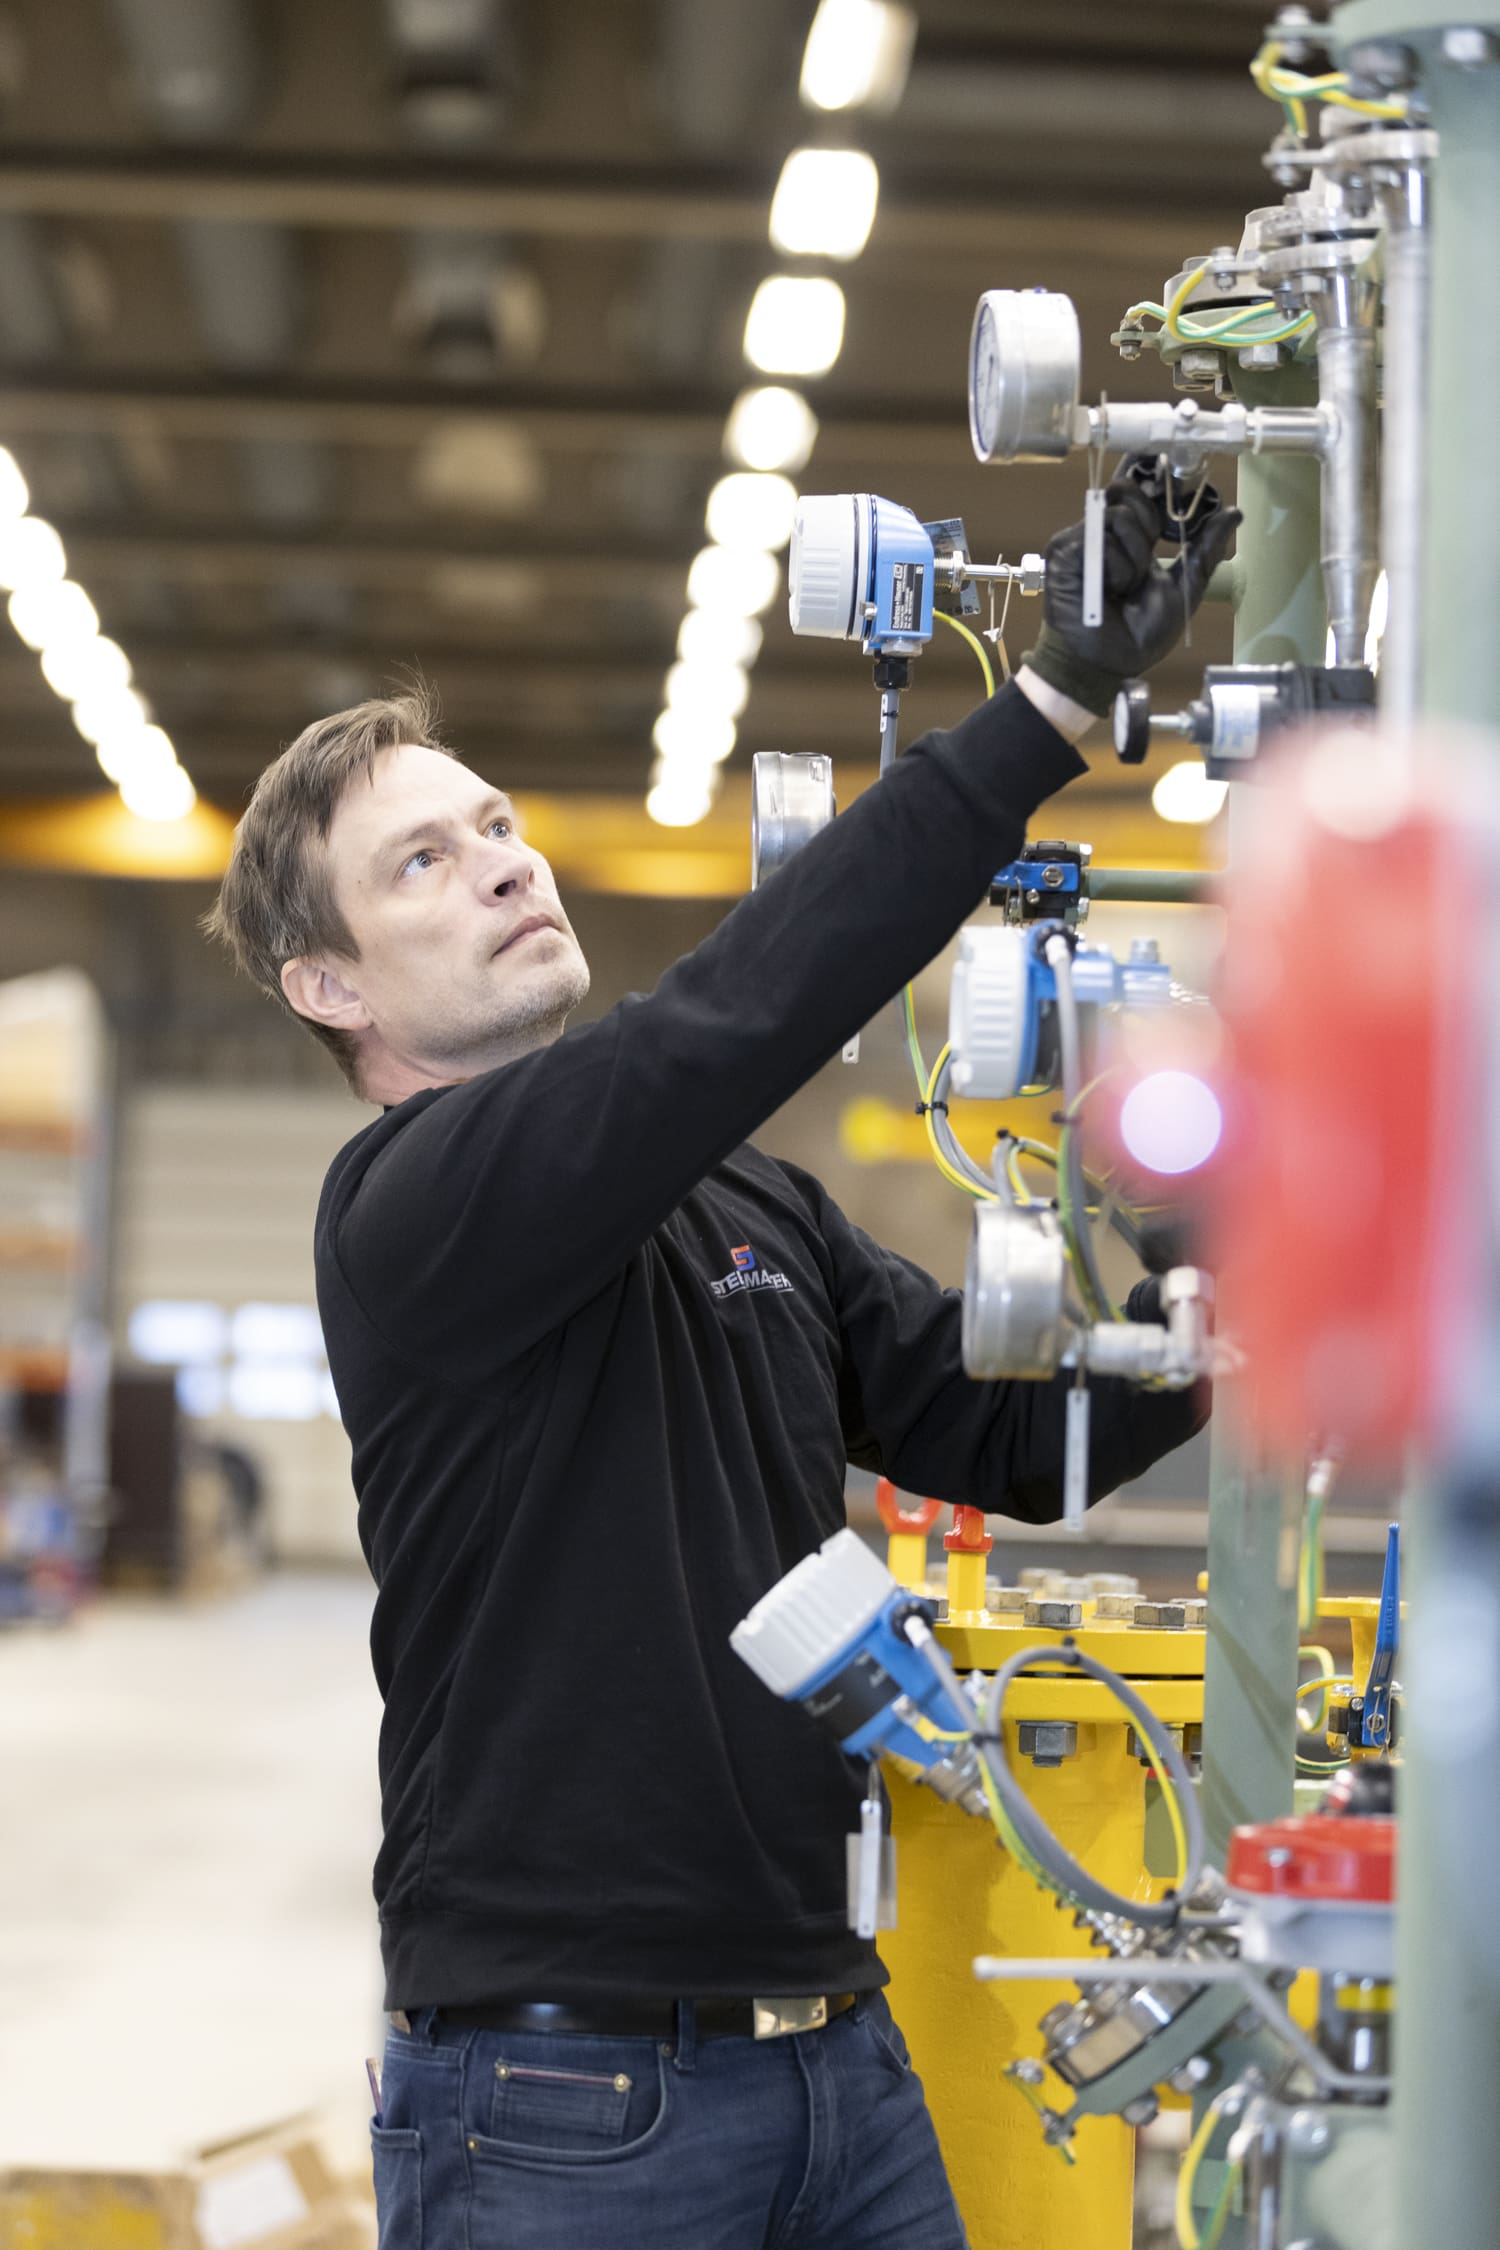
1146,603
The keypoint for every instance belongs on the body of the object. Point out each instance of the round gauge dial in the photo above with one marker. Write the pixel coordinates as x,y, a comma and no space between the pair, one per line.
1023,375
984,380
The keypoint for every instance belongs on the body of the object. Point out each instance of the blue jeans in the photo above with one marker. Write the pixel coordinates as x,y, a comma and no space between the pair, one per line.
554,2140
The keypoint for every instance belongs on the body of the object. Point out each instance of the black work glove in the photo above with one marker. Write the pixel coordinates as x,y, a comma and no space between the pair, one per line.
1146,603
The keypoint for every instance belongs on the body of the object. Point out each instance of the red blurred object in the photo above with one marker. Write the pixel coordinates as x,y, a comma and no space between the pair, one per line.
896,1518
1350,1101
1316,1857
968,1536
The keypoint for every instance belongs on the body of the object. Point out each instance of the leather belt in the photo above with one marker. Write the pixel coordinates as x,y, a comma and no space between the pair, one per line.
639,2018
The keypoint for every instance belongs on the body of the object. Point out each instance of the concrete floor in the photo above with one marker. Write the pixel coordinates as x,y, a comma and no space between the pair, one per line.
188,1817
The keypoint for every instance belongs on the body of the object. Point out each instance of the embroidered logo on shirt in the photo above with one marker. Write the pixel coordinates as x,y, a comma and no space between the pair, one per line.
748,1274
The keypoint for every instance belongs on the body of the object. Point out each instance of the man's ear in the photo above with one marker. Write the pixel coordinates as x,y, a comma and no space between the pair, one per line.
317,991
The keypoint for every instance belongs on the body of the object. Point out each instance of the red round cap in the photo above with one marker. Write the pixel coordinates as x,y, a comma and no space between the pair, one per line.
1315,1856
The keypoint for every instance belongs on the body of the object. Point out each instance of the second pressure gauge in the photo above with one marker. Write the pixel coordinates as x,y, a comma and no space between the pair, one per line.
1023,375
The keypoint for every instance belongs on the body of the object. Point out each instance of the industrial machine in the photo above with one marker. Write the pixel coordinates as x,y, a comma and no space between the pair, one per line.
1210,1801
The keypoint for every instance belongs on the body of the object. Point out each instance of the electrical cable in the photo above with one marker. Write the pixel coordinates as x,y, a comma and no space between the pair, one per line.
1187,2229
1064,1872
1327,1673
1072,1195
1232,329
975,643
1292,90
1333,1680
1023,1830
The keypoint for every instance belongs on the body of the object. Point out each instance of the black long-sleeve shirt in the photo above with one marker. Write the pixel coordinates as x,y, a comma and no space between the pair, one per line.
603,1365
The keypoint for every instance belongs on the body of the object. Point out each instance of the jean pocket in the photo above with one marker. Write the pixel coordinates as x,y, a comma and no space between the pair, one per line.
398,2187
885,2035
547,2113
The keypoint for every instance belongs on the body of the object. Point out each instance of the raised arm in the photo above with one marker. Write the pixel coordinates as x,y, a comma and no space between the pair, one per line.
563,1162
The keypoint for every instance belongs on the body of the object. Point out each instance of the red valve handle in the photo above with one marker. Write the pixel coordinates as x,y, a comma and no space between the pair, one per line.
896,1518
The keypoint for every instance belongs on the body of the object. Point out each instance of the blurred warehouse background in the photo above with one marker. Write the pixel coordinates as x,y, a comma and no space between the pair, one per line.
341,340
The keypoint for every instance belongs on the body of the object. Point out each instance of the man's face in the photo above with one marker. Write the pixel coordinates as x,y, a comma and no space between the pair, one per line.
466,957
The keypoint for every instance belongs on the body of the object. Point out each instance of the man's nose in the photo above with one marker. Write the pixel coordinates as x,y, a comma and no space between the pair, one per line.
506,867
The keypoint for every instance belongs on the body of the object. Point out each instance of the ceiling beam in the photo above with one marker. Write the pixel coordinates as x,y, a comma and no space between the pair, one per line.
574,201
559,417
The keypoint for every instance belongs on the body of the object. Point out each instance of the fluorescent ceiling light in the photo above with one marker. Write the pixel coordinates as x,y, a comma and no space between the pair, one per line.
770,427
45,614
1185,793
77,668
135,753
857,55
795,325
14,497
716,636
680,803
109,714
165,794
706,737
751,508
824,205
30,553
708,690
742,580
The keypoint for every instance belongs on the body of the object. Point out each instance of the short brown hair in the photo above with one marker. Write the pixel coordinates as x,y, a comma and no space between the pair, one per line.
276,902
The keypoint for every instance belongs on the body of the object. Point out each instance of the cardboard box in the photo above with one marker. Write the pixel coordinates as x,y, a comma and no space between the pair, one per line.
271,2190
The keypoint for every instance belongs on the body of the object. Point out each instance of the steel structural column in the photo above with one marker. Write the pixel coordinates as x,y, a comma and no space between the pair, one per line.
1250,1670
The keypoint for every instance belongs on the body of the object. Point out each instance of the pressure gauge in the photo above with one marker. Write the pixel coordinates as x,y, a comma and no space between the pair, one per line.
1013,1319
791,801
1024,354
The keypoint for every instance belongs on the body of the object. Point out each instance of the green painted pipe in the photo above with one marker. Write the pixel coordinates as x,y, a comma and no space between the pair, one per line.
1250,1668
1448,2025
1153,886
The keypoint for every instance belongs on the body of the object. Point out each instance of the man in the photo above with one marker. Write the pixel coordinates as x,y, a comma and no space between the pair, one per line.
580,1457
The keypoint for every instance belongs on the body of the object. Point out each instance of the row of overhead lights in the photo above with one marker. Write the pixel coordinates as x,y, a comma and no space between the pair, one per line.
55,617
857,56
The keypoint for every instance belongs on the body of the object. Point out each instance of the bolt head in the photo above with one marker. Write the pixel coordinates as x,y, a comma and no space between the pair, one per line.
1260,355
1141,2110
1383,63
1033,572
1192,2074
1308,2132
1468,47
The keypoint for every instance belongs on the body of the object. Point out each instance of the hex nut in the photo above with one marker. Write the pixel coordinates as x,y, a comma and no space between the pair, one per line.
1046,1742
1058,1615
1033,571
1113,1582
1194,1615
1120,1607
1006,1601
1166,1617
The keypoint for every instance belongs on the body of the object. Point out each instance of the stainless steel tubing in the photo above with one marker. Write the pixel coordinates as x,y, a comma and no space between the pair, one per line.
1344,308
1408,289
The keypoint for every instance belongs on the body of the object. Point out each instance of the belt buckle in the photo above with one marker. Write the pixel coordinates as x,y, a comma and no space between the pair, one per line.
775,2018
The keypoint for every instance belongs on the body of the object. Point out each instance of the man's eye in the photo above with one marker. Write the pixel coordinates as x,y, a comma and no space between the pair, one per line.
418,859
501,822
